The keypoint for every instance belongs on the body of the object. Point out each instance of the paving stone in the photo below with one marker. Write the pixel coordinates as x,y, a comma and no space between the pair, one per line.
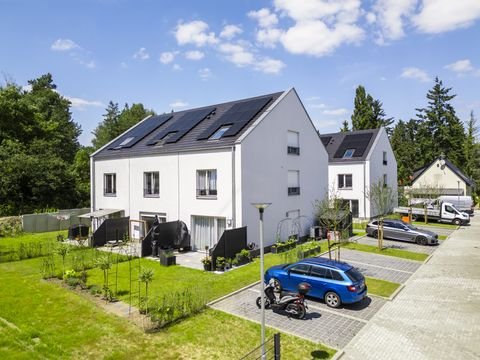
400,245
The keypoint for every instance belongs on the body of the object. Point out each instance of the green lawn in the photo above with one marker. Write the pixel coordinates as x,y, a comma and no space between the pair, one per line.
442,237
380,287
31,238
435,224
358,232
39,319
387,251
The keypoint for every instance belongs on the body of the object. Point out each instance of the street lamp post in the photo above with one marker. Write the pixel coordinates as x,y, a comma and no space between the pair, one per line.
261,207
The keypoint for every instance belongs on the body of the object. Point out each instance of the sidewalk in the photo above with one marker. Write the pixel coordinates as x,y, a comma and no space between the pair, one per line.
437,314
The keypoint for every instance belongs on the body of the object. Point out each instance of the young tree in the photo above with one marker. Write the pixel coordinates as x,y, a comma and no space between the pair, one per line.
472,151
440,130
382,198
331,212
146,276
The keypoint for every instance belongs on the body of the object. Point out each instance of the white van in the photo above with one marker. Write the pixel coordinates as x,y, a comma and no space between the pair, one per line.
462,203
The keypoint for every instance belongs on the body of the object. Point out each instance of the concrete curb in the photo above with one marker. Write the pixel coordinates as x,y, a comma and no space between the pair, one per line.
339,354
232,293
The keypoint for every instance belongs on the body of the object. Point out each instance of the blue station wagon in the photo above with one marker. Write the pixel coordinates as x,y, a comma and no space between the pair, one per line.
335,282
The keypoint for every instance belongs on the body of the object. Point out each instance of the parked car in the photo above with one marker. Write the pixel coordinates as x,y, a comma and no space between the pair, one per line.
400,230
335,282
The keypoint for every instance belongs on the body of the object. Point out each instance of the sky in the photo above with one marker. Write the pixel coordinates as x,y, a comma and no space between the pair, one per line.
175,55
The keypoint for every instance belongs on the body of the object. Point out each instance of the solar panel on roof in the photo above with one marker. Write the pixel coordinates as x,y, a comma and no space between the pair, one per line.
326,140
182,126
236,117
358,142
136,134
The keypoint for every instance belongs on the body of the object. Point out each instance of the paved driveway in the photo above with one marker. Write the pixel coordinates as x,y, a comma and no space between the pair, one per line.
401,245
332,327
380,266
437,315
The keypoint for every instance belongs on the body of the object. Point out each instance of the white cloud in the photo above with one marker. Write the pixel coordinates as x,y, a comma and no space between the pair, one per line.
194,55
90,64
326,124
299,39
141,54
370,17
390,16
335,112
237,54
82,104
269,37
167,57
437,16
416,74
178,104
269,66
177,67
124,65
230,31
460,66
196,33
317,106
205,74
64,45
265,18
321,26
27,88
463,67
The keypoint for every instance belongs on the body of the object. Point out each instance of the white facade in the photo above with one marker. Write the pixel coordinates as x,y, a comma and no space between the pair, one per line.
365,173
255,169
441,177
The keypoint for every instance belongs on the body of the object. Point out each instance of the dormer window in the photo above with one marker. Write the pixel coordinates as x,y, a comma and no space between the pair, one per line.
348,154
219,133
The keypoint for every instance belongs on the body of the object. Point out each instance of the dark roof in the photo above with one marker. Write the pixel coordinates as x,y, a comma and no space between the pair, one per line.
331,263
189,125
360,141
452,167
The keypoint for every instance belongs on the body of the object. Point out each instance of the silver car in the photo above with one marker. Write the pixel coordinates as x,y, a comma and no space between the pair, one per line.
399,230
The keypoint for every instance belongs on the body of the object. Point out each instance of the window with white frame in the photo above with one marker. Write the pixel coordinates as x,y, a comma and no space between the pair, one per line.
293,182
151,184
293,143
344,181
207,183
384,158
110,184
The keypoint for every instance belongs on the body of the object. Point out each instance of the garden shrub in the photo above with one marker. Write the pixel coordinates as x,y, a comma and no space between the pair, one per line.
10,226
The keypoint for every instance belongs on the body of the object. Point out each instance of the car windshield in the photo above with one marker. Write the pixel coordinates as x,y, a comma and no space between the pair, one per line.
411,227
354,275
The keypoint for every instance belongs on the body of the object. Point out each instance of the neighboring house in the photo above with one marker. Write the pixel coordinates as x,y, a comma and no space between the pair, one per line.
356,160
206,166
442,178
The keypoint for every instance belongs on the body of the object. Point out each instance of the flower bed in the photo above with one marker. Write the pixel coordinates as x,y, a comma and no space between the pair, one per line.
282,246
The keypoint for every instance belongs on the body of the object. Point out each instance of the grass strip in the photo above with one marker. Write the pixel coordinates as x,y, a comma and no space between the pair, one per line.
410,255
435,224
381,287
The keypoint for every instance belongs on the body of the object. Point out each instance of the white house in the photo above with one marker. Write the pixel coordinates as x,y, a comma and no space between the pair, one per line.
443,177
206,166
357,159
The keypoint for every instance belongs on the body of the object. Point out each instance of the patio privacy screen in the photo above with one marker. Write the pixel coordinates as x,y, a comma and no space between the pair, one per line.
231,243
169,235
111,229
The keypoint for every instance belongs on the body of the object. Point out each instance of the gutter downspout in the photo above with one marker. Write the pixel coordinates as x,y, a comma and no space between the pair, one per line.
364,188
92,184
234,190
178,186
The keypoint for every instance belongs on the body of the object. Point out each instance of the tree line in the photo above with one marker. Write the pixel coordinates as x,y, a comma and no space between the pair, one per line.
42,164
435,130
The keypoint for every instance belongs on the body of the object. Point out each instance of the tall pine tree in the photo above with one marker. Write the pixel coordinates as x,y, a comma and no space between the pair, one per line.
440,130
368,112
472,152
406,150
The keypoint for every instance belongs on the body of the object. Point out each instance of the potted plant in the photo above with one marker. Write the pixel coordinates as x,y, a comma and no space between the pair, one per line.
167,258
207,263
242,257
220,263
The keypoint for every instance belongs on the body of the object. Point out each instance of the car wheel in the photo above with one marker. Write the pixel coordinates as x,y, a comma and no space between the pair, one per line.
421,240
457,222
276,285
375,234
332,299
